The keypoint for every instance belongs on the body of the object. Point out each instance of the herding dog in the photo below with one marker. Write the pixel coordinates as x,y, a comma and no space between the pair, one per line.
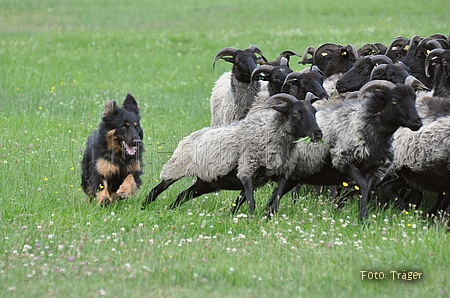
112,161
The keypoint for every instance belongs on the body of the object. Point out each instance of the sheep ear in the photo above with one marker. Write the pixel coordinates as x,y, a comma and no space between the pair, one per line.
130,104
111,108
282,107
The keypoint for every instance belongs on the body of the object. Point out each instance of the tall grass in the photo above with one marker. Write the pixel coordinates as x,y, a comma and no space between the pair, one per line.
60,61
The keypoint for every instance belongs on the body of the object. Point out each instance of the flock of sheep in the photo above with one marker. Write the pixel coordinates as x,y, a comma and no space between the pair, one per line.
377,116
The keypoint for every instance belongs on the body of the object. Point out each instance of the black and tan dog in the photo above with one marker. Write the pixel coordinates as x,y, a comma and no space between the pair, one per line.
112,161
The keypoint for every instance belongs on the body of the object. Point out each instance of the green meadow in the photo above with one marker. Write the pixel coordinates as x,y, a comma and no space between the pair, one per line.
60,61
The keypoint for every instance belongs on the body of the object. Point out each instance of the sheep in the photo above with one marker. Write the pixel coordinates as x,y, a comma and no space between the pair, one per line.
422,157
274,75
232,95
441,79
242,155
359,134
397,48
333,59
370,49
300,83
359,74
416,55
362,73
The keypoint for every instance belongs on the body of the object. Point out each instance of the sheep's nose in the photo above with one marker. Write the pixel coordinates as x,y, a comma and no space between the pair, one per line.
317,135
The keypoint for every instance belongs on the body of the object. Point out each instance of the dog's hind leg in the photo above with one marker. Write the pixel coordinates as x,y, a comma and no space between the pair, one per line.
127,188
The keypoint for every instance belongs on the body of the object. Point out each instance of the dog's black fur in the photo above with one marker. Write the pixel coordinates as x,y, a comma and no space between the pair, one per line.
112,161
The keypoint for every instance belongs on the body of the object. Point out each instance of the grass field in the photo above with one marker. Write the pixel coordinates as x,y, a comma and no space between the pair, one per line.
60,61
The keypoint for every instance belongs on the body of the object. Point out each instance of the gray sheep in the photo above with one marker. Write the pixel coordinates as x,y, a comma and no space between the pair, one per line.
359,134
422,158
232,94
242,155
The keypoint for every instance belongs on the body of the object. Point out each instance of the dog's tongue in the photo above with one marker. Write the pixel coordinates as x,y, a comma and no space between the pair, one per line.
131,150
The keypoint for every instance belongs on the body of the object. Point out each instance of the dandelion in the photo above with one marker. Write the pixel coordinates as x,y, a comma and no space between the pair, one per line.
45,179
345,184
40,108
406,212
356,187
52,89
72,168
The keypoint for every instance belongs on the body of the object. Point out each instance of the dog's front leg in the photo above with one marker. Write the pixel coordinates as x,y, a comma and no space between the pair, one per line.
127,188
103,196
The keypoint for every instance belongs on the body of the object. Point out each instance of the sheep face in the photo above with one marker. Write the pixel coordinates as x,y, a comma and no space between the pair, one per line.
355,77
244,62
395,73
300,120
277,77
299,84
403,108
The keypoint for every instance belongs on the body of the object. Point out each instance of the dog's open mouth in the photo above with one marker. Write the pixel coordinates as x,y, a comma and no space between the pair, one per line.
131,150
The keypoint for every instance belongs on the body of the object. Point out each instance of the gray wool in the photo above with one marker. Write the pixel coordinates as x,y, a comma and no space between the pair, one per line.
311,158
230,99
258,140
428,148
353,135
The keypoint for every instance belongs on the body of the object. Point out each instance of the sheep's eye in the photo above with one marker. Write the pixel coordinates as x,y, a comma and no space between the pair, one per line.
394,102
296,113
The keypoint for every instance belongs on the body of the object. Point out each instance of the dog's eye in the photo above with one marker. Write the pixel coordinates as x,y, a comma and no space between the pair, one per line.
124,127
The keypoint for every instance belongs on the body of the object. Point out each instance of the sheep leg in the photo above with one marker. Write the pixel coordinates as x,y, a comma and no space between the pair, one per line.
289,185
197,189
239,201
155,192
364,187
390,189
278,194
248,189
442,200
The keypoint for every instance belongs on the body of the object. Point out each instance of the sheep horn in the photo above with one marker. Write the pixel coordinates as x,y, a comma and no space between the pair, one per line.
293,76
431,56
266,69
396,41
257,50
228,51
375,84
284,97
415,83
309,50
325,47
379,70
284,61
380,59
351,48
311,97
286,54
414,41
317,69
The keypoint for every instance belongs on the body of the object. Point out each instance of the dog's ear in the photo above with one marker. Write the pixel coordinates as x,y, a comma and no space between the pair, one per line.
111,108
130,104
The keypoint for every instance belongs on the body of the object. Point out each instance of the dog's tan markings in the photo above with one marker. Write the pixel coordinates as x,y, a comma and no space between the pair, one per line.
134,167
106,168
111,142
110,108
127,188
103,196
